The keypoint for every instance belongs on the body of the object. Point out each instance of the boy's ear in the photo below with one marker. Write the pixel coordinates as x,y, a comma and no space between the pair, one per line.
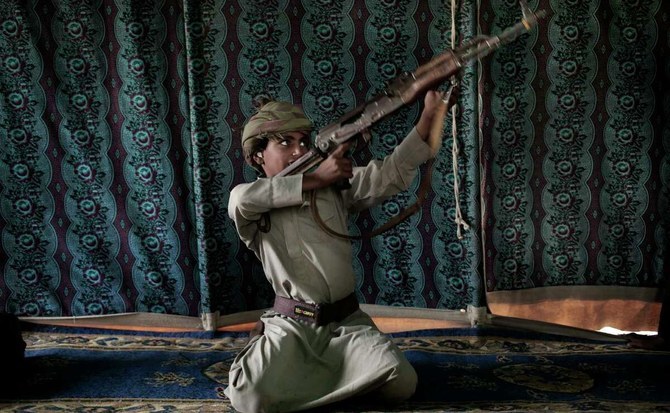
258,158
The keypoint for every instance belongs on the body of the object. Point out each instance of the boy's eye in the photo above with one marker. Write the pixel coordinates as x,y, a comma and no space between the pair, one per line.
283,142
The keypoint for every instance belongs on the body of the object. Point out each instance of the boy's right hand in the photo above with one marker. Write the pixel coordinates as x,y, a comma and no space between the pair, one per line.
336,167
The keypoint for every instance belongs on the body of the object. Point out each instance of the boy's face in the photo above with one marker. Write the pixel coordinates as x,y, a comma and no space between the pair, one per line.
283,150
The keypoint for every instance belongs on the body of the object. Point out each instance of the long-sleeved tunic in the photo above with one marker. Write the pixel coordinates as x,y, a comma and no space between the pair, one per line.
296,365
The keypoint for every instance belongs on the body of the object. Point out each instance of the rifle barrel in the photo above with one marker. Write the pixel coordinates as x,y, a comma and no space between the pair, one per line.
406,89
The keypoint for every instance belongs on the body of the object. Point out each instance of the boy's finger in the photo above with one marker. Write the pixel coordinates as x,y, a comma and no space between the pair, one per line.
341,150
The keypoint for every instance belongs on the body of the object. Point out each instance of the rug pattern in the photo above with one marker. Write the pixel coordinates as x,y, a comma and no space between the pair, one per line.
472,370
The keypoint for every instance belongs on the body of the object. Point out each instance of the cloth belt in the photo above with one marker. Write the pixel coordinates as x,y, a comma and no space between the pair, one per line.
319,314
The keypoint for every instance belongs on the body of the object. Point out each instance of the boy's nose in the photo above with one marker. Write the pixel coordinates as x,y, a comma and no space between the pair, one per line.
299,150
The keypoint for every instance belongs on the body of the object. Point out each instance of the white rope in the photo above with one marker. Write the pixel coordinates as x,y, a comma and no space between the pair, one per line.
458,219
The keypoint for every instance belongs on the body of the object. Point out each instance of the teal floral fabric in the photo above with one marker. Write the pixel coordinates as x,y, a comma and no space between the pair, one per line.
575,147
120,125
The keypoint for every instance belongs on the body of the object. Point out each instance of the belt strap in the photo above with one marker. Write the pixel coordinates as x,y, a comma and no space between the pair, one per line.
319,314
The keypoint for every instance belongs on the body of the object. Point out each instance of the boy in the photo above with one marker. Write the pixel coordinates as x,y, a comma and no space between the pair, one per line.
317,346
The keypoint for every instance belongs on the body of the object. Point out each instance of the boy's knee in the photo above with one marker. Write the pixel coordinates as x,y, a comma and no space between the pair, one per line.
250,397
251,401
401,387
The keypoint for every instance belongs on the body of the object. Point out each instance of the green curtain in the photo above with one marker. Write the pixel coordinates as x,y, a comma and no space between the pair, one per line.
576,147
120,124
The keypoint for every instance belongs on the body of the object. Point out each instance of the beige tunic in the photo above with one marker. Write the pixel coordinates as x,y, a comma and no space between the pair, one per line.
296,365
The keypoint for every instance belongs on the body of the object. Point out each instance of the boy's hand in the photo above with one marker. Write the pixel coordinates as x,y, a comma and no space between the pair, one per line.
432,101
336,167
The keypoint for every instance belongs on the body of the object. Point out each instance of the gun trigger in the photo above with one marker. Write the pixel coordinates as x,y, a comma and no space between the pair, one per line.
367,136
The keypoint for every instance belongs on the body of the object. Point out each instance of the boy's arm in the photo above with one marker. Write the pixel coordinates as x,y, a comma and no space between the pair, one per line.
381,179
249,201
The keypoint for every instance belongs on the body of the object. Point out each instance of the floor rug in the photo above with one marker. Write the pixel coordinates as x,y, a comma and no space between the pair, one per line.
476,370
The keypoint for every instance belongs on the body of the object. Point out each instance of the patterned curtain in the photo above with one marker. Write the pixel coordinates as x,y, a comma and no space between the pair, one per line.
96,193
120,124
575,152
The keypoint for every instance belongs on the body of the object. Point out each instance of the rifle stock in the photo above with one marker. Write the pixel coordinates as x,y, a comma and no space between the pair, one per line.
405,90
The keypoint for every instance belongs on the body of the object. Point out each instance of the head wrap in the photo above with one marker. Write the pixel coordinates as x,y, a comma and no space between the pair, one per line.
272,118
275,117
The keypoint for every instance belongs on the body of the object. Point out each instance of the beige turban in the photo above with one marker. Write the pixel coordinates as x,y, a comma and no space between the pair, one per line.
271,118
275,117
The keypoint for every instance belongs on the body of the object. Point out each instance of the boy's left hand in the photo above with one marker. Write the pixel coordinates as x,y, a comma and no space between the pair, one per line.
432,101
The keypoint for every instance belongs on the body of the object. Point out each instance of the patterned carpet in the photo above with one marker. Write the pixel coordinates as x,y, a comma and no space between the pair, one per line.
474,370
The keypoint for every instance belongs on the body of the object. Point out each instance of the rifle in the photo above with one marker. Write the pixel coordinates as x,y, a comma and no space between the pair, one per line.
405,90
